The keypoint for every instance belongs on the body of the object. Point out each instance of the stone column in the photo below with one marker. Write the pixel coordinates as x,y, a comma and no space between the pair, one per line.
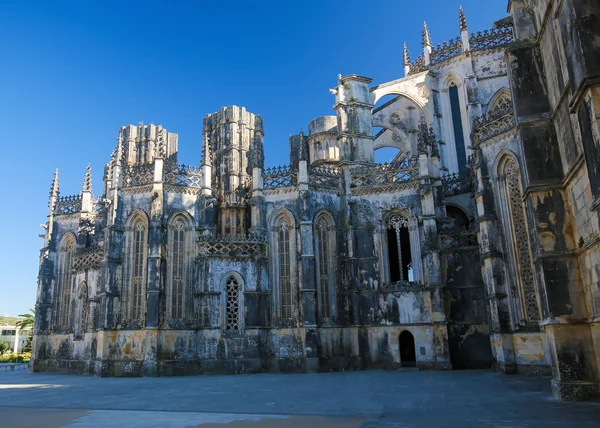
155,255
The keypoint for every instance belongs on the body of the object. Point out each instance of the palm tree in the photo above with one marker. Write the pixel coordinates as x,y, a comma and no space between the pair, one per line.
27,321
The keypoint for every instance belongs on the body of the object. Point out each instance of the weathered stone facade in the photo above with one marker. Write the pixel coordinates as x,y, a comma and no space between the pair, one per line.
476,246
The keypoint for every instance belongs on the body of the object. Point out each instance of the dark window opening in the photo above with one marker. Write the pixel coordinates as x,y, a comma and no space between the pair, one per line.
460,219
459,138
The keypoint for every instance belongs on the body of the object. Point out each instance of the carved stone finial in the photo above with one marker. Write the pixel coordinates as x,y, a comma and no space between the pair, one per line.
406,55
426,40
87,182
54,188
206,152
463,20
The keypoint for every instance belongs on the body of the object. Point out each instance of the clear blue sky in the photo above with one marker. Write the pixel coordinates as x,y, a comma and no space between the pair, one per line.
73,72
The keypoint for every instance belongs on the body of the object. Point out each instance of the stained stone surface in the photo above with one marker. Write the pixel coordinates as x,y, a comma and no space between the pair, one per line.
350,399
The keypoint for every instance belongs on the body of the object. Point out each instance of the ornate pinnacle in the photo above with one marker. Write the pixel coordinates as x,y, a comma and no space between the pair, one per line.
54,187
463,20
301,148
406,56
206,155
426,41
87,182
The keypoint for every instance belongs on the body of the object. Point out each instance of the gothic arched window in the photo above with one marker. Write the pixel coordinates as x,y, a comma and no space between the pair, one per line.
178,266
285,270
457,127
325,258
137,282
284,264
399,248
517,242
65,279
232,304
81,311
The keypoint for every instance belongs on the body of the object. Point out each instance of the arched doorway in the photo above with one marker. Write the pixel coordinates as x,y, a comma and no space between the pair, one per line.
408,357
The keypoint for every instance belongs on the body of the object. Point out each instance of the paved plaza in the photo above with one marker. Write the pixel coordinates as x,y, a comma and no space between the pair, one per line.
330,400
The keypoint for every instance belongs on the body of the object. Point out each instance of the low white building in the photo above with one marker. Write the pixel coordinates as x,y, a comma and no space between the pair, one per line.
16,339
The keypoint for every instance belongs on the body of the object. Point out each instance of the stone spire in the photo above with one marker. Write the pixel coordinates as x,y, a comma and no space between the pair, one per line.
426,42
87,182
302,155
464,31
463,20
54,187
426,39
406,60
206,154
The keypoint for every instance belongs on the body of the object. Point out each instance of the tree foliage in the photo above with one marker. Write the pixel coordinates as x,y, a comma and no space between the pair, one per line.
27,321
3,347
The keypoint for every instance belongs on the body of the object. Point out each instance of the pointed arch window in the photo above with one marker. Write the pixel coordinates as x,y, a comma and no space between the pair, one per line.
138,258
81,311
325,258
517,242
232,304
457,127
283,265
399,249
65,279
285,270
178,266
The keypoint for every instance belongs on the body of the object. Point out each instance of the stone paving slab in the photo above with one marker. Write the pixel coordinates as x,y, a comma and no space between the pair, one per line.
370,398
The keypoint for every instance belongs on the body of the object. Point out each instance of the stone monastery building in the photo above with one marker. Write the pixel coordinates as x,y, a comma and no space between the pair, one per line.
477,245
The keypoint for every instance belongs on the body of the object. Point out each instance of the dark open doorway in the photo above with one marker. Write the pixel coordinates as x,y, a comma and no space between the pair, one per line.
408,357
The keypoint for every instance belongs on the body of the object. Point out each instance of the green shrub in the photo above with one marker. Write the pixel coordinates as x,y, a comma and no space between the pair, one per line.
12,358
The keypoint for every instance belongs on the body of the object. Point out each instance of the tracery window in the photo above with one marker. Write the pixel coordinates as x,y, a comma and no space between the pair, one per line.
81,310
232,304
283,265
138,270
517,240
285,272
501,100
457,127
177,269
65,279
325,258
399,248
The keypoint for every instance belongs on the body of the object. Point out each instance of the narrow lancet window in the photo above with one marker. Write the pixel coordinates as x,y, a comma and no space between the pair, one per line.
285,274
232,304
65,279
325,241
399,249
459,138
177,269
138,270
517,238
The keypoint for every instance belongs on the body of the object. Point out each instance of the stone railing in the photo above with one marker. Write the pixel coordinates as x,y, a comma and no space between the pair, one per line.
457,183
492,39
279,176
418,65
184,175
87,258
383,178
446,50
496,38
138,175
493,123
324,176
66,205
233,246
